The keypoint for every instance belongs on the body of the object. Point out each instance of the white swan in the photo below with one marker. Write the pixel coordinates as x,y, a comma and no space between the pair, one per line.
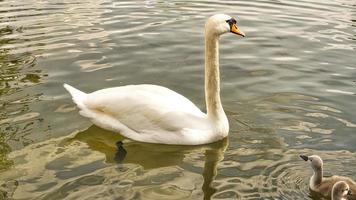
155,114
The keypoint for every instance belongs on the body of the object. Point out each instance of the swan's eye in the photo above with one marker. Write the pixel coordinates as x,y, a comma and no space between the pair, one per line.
231,22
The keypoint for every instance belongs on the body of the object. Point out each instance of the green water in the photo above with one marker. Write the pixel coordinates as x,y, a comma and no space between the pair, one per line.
288,88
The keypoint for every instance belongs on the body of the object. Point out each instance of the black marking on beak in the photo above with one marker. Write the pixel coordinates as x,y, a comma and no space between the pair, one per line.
231,22
305,158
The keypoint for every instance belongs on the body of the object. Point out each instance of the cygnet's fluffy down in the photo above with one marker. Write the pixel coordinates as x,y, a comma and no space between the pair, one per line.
341,191
324,185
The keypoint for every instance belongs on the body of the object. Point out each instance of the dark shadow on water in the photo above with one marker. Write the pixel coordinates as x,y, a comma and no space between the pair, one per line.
150,156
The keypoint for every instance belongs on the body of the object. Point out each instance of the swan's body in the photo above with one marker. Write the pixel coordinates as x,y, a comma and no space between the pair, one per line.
324,185
150,115
155,114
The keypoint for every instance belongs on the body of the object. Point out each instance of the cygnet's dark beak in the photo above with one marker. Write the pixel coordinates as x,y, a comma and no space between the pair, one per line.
305,158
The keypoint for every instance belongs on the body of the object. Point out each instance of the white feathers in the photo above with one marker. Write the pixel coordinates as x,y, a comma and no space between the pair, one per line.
217,24
147,113
77,95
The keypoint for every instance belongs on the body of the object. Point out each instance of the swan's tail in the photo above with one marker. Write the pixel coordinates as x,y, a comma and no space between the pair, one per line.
100,119
77,96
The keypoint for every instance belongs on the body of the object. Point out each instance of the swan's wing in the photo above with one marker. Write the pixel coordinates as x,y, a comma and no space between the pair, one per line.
146,108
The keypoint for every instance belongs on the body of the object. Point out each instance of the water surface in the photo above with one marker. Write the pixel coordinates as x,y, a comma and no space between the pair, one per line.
288,88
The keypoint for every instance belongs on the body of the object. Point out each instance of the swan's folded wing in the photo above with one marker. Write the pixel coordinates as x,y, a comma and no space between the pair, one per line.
147,108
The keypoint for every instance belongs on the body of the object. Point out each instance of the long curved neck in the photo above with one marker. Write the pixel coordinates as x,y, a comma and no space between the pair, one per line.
212,77
317,176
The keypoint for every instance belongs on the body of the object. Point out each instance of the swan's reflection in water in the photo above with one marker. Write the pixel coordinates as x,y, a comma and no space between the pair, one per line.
212,159
117,149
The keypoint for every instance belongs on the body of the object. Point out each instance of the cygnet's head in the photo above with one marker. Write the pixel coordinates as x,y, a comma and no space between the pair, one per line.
340,191
220,23
315,161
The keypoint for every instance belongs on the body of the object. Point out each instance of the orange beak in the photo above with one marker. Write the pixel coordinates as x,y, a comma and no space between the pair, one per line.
236,30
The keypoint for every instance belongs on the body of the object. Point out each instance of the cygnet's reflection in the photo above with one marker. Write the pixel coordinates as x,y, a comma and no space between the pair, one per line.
117,149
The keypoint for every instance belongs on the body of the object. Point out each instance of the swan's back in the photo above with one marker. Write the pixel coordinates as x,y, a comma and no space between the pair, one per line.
156,97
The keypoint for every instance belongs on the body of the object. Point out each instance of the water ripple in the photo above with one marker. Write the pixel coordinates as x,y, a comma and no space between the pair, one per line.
284,174
288,85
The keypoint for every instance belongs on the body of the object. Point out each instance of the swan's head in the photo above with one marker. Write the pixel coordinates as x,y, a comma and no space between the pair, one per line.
341,190
220,23
315,161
